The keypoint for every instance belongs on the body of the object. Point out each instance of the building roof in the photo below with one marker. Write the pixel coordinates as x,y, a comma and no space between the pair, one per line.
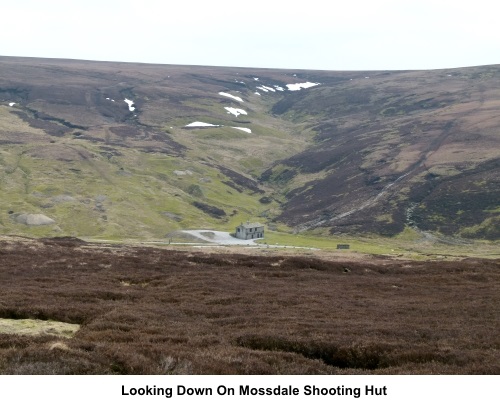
252,225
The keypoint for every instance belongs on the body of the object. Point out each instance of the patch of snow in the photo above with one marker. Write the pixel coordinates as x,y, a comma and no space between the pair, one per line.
12,104
200,124
367,77
235,111
266,89
130,104
257,93
231,96
299,86
256,79
247,130
279,88
295,75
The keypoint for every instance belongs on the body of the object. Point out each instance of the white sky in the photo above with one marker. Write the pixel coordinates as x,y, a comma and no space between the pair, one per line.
312,34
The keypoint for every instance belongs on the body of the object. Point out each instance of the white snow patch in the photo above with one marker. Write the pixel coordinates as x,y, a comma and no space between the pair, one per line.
298,86
257,93
12,104
130,104
235,111
266,89
279,88
200,124
247,130
231,96
219,238
256,79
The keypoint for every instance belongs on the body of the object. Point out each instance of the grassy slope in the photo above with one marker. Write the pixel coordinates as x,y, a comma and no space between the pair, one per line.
118,186
126,196
118,168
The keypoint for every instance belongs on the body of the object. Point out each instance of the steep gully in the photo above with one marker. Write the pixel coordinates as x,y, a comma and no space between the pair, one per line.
419,164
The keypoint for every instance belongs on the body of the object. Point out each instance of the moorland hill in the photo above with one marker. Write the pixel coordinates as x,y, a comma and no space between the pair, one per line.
114,150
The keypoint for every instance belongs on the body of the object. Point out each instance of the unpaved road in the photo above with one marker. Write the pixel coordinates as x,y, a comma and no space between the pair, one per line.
218,237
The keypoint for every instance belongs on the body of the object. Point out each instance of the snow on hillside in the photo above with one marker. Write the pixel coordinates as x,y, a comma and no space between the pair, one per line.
248,130
235,111
231,96
130,104
266,89
299,86
200,124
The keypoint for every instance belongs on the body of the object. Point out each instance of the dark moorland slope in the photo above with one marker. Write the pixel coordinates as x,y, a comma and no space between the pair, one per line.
400,148
152,311
360,152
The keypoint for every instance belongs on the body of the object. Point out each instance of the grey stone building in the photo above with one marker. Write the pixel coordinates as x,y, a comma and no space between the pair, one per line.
250,230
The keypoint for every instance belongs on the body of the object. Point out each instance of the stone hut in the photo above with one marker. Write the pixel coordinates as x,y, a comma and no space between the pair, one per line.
250,230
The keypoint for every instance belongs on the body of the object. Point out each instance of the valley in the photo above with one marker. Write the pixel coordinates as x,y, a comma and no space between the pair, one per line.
121,183
121,151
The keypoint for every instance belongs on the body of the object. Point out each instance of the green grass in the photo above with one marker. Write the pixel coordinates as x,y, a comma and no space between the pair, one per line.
141,188
409,244
137,189
364,245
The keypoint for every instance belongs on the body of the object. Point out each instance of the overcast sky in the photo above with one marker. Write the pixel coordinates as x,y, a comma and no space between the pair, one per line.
310,34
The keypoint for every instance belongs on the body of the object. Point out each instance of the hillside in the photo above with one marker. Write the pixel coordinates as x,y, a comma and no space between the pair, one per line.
114,150
396,149
138,310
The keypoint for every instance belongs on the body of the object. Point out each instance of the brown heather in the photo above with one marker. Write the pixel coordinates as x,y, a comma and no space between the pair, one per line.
160,311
